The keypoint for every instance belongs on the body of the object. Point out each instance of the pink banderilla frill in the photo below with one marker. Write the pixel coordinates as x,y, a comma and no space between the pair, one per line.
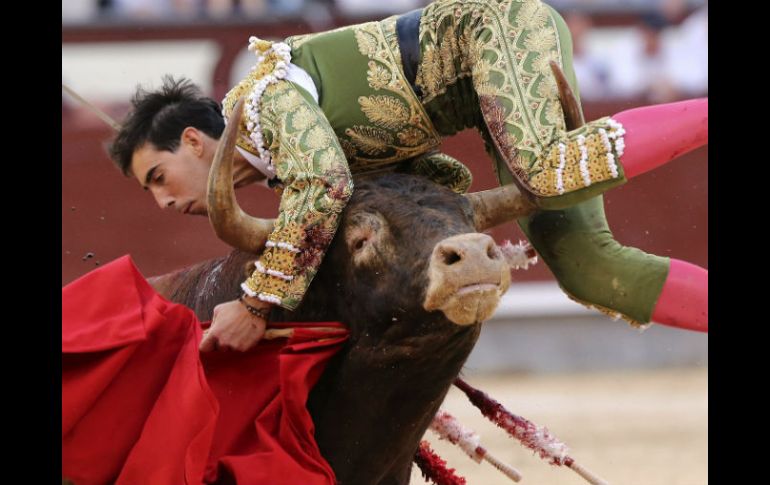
530,435
450,429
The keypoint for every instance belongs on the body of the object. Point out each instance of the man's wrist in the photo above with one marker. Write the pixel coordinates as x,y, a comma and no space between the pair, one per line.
256,302
256,307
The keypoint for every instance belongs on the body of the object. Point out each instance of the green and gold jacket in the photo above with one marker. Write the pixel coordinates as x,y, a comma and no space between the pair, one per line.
368,118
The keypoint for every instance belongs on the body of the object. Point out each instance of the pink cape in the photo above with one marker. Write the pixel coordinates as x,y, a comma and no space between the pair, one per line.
141,405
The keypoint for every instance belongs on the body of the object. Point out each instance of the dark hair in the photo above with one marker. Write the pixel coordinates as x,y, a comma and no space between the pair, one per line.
159,117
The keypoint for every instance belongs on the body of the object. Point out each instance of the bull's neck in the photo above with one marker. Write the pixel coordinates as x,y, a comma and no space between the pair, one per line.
388,392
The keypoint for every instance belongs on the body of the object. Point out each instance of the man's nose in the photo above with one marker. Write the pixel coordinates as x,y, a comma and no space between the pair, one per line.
164,200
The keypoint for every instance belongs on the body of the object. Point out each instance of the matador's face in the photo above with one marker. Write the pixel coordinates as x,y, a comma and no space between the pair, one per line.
177,180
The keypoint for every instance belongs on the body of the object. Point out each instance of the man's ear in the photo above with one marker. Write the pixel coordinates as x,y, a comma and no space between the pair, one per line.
192,136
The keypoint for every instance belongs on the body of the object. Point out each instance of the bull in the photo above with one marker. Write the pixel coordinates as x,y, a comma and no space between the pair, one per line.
411,278
408,272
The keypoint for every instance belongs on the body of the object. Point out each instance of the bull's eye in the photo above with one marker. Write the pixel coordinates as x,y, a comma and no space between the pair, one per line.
363,233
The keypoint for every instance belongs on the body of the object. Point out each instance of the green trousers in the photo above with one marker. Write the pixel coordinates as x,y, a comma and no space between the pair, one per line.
577,245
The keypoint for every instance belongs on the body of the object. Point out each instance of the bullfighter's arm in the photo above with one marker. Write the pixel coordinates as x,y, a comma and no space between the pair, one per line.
316,187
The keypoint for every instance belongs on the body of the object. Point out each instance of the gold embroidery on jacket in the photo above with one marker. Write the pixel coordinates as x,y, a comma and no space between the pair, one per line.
316,187
386,111
370,140
399,126
506,47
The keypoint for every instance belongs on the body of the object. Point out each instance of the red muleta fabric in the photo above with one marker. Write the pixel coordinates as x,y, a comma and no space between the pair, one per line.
141,405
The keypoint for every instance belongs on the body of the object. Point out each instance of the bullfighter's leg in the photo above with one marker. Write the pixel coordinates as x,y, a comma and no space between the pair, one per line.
577,245
509,55
596,270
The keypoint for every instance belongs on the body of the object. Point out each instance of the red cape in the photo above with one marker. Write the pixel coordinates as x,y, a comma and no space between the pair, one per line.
141,405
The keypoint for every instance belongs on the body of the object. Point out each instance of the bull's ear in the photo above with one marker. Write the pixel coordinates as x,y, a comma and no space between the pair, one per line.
231,224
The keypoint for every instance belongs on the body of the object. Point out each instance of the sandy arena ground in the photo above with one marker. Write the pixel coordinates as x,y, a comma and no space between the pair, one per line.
629,428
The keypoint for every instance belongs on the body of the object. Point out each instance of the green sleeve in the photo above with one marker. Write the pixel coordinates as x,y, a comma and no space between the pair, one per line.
316,187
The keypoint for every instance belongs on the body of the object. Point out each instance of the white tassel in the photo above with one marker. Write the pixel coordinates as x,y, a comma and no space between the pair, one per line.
520,255
283,51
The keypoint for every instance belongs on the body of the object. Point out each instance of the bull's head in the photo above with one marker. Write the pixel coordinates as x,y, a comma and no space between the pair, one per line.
398,231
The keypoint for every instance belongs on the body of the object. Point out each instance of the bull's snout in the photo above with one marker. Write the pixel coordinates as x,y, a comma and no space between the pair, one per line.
458,252
467,275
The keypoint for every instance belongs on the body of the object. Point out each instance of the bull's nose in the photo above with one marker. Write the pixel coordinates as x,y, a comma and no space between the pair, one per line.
466,276
465,250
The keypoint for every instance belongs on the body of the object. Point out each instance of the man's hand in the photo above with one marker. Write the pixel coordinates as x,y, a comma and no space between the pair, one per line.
234,327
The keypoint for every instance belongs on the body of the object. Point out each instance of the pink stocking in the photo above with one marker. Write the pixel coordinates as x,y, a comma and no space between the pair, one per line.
659,133
683,303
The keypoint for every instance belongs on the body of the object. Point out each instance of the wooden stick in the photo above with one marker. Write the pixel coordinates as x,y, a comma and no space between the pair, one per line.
101,114
586,474
288,332
507,470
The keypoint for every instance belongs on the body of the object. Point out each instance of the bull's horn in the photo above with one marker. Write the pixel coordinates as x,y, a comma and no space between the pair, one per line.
230,223
573,115
496,206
